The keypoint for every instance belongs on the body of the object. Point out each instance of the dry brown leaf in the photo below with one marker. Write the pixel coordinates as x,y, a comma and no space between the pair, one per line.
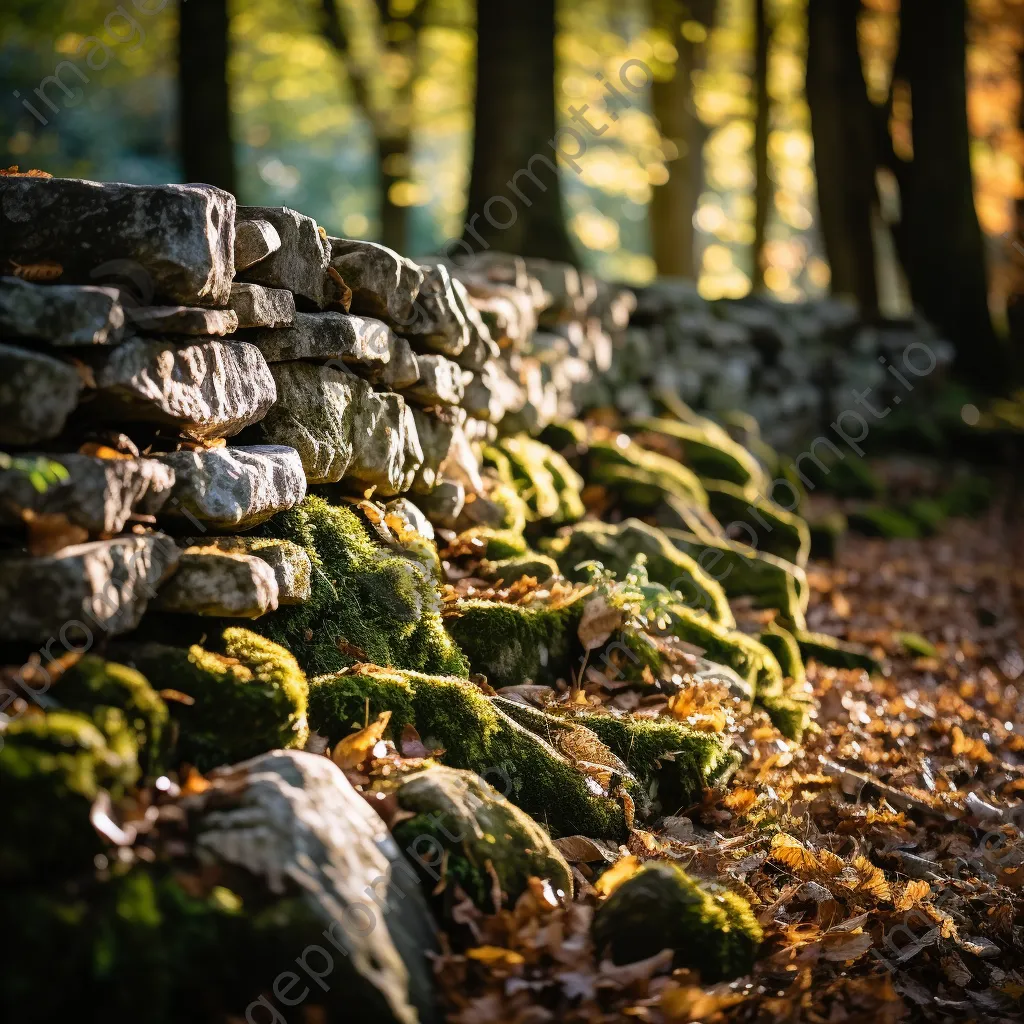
791,853
913,893
966,746
495,956
410,743
357,747
740,800
581,850
598,622
870,880
839,947
44,270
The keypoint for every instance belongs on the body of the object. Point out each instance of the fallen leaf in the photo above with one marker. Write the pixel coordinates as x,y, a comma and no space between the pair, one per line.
356,748
581,850
495,956
621,871
598,622
410,743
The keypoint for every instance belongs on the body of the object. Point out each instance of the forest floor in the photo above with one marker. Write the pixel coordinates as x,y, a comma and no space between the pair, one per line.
884,856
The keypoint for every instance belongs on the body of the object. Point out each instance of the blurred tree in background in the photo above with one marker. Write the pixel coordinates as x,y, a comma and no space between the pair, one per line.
868,146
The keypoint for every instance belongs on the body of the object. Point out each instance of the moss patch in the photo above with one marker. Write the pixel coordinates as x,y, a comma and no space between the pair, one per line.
760,522
639,478
835,653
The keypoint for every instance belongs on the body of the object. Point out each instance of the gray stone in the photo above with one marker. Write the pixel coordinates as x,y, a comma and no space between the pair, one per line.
379,426
178,238
290,563
182,320
60,314
84,591
255,240
235,487
477,827
413,450
436,431
481,345
37,393
352,339
439,324
256,305
97,494
206,389
444,504
490,393
314,415
414,517
300,265
441,382
403,369
291,820
384,285
219,583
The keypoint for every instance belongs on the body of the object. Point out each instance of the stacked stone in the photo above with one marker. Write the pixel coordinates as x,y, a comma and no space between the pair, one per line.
792,366
179,369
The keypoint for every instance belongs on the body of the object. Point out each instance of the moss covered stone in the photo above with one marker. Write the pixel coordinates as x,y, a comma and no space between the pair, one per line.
641,479
759,522
54,765
708,450
540,567
475,734
512,643
494,545
93,686
368,603
835,653
661,907
789,713
827,532
484,835
617,547
248,695
784,646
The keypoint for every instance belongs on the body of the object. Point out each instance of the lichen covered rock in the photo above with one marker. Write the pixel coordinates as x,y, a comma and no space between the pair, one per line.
708,927
484,835
761,523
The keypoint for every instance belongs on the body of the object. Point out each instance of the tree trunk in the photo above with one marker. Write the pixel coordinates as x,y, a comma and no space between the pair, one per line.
393,155
946,253
515,197
674,204
762,110
204,110
843,128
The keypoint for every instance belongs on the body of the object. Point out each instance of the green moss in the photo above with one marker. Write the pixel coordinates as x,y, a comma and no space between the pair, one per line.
709,927
93,686
546,482
511,643
743,571
675,764
564,435
617,548
476,735
790,715
639,478
54,765
494,545
709,451
755,518
249,696
368,603
914,643
830,651
879,521
483,834
540,567
514,509
783,645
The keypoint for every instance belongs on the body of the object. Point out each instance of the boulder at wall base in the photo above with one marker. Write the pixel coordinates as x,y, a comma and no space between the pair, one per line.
207,389
293,821
368,603
231,488
707,927
754,520
564,789
248,695
290,564
96,494
86,590
299,265
60,315
485,837
37,394
176,240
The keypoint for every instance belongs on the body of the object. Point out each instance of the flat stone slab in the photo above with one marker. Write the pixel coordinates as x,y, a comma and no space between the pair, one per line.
234,487
189,320
219,583
207,389
440,323
181,237
300,264
384,285
97,494
37,393
290,563
442,382
293,823
381,427
85,591
255,240
256,305
354,340
61,315
314,415
403,369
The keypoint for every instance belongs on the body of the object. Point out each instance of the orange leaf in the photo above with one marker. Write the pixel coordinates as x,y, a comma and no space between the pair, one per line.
791,853
495,956
621,871
357,747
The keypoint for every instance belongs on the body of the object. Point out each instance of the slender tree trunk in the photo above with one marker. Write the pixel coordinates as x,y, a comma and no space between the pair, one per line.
515,197
204,109
674,204
842,124
393,155
946,252
762,111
